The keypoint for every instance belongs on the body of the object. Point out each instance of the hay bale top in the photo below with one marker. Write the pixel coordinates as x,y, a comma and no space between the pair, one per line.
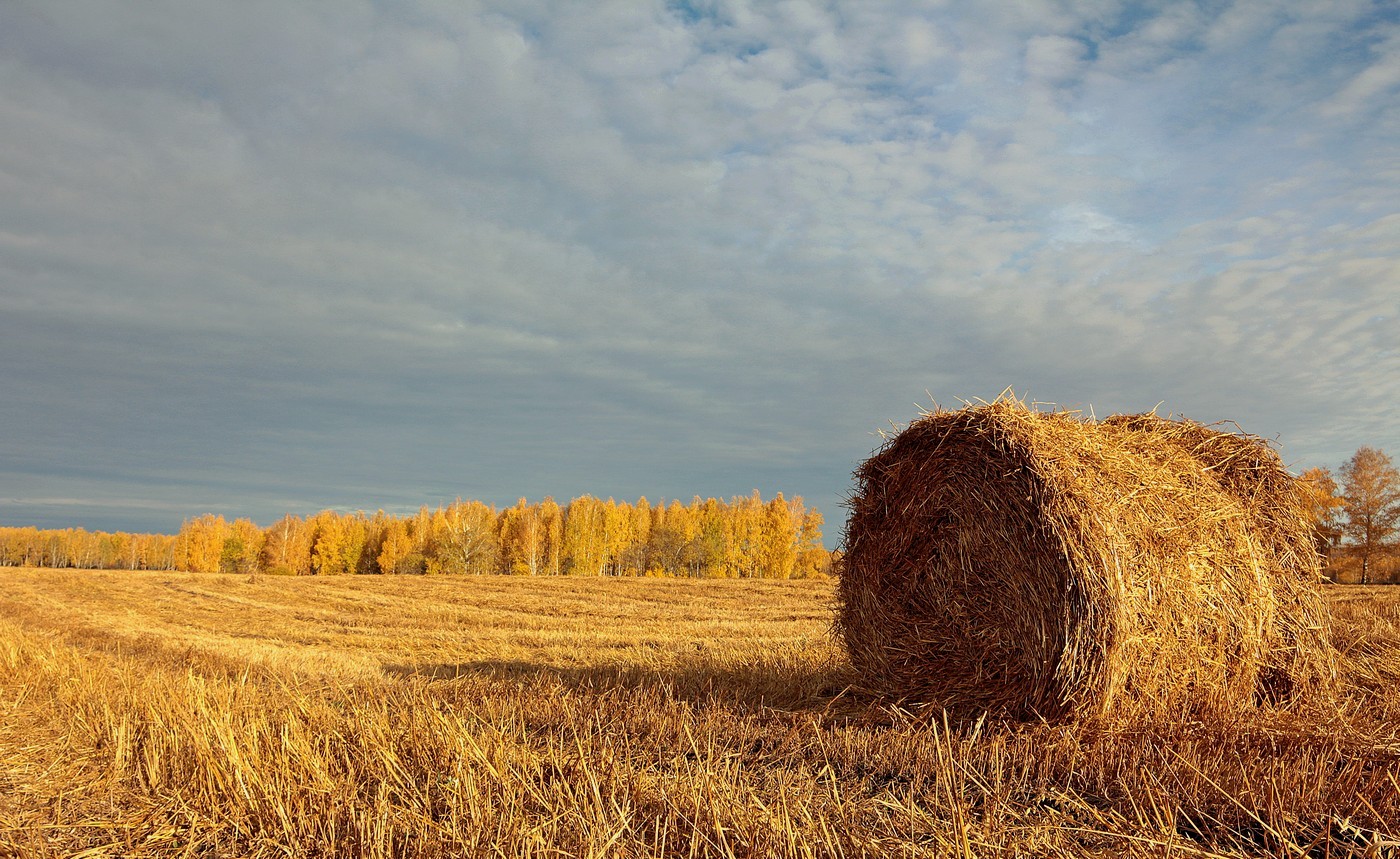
1041,564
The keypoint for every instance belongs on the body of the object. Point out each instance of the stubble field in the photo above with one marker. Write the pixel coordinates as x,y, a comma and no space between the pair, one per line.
167,714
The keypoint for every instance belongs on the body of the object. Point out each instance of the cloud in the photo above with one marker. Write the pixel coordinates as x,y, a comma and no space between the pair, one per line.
1362,91
1079,224
1054,59
354,256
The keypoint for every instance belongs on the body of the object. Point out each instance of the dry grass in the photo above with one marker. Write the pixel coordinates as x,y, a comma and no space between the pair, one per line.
157,714
1047,565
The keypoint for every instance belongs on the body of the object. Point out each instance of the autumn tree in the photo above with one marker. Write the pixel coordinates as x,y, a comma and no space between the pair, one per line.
1324,503
617,535
673,530
525,537
242,545
706,553
19,547
328,536
583,550
464,538
396,549
1370,503
552,523
812,557
11,547
82,548
286,547
339,543
777,544
153,551
76,547
200,544
745,537
634,560
120,551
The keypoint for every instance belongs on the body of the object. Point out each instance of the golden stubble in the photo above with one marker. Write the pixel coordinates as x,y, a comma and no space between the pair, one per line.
158,714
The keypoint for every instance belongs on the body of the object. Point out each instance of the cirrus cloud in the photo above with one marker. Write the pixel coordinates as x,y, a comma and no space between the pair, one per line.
284,257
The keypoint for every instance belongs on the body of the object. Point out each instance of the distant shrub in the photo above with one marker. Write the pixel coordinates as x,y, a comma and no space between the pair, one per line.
414,564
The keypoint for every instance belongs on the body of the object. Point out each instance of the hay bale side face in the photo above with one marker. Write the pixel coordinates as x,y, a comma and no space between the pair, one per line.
952,588
1299,658
1031,564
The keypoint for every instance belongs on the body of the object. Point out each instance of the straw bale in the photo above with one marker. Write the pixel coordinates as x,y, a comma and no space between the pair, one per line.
1300,658
1040,564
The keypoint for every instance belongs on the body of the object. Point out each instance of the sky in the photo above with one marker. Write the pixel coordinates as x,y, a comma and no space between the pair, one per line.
270,257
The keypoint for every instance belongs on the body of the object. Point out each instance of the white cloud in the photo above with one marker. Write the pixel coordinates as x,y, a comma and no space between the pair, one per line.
1377,80
1081,224
1054,59
476,226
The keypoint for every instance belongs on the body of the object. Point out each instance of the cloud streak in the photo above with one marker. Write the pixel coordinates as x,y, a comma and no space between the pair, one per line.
341,255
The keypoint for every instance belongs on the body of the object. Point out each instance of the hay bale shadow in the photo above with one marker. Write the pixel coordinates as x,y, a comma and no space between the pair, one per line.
701,681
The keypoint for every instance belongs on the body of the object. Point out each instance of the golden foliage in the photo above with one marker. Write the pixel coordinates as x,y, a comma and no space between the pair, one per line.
743,538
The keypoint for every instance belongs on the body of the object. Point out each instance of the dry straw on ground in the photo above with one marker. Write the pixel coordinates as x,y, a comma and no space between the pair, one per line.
153,715
1042,564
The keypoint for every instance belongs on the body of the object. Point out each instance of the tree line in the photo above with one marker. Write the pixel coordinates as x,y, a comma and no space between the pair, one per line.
1356,513
1355,510
745,537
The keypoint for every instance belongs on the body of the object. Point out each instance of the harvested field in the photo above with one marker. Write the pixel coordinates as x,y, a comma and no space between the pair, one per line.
158,714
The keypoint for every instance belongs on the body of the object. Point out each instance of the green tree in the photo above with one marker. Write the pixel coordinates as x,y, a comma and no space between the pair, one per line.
241,548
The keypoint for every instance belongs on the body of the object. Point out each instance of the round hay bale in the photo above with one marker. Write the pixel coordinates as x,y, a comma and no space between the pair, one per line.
1300,658
1038,564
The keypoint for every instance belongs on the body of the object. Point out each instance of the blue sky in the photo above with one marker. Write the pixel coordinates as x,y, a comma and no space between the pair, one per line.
268,257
